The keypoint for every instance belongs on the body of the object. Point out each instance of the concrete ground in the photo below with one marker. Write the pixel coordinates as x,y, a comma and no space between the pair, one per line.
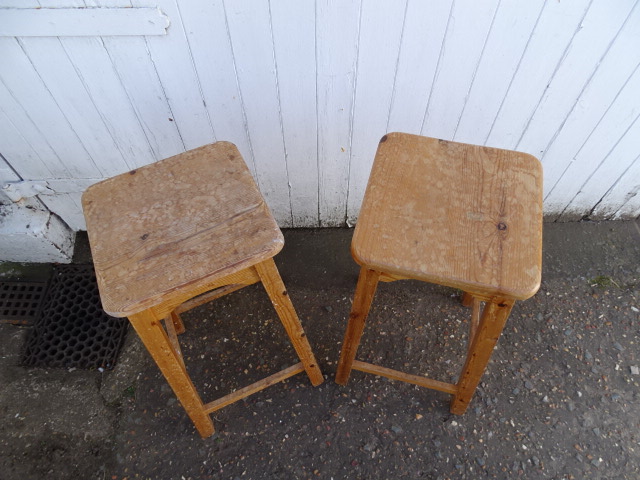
560,398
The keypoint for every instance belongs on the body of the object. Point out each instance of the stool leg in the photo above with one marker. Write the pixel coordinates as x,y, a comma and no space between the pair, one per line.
365,290
178,324
150,331
467,299
493,319
277,292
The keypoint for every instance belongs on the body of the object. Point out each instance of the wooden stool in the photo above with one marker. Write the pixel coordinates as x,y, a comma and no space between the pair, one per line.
166,234
459,215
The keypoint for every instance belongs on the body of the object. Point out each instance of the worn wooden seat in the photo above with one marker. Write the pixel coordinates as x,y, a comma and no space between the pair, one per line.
453,214
178,233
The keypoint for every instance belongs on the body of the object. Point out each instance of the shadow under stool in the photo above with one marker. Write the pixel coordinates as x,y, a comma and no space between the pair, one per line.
463,216
176,234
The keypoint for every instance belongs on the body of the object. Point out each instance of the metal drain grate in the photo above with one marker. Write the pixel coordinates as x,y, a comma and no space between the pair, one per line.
20,302
73,330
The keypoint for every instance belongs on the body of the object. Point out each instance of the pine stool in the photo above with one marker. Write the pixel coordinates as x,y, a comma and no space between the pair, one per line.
176,234
459,215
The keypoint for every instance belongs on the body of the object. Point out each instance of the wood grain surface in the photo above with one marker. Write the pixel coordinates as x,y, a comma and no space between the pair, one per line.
460,215
175,225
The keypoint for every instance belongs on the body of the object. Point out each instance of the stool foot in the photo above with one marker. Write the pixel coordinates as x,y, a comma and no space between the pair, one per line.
277,292
493,319
365,290
154,338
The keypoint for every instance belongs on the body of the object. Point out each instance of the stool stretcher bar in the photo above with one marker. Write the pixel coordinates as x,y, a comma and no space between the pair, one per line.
253,388
405,377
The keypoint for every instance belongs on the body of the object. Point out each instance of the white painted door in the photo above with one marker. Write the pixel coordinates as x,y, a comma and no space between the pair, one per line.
305,89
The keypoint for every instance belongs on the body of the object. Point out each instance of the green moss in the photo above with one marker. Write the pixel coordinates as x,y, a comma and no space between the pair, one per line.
602,281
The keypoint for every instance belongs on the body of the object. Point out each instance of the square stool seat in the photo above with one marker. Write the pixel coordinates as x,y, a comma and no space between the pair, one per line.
180,232
459,215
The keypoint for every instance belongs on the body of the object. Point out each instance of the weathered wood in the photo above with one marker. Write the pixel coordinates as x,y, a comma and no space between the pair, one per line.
250,31
467,299
183,206
464,44
205,25
168,55
365,290
590,43
381,25
152,230
61,78
60,22
404,377
337,30
464,216
494,317
550,81
187,299
387,277
279,296
297,91
208,297
253,388
425,25
178,324
588,134
172,335
506,44
474,322
452,214
154,338
556,26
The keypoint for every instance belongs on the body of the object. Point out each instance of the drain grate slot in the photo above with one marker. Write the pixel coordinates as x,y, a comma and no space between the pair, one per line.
73,330
20,302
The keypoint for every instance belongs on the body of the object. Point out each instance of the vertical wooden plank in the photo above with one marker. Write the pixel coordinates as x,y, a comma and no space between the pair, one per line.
422,39
554,30
512,28
463,46
337,25
379,45
250,30
102,83
598,29
206,28
604,176
598,96
137,73
33,109
296,71
173,62
56,70
578,192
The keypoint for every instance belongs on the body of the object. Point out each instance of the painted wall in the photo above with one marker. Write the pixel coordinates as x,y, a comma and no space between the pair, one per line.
307,88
